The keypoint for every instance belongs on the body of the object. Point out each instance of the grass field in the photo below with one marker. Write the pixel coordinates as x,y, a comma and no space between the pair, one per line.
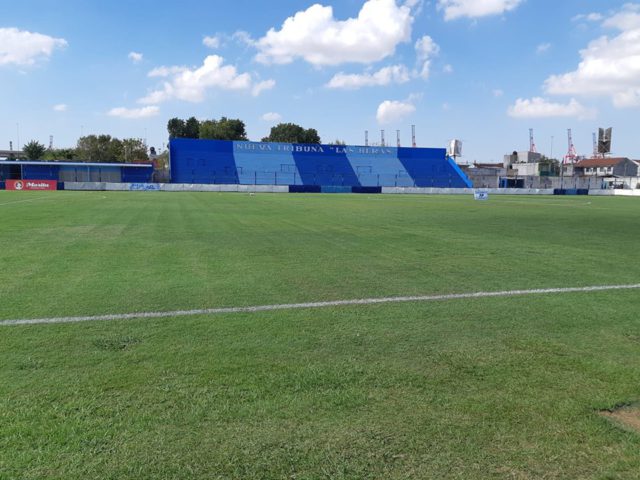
473,388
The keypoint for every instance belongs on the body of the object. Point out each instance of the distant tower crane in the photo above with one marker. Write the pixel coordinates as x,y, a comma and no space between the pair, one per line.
571,155
532,143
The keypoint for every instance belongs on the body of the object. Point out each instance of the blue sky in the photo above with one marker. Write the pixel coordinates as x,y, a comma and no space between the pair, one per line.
484,71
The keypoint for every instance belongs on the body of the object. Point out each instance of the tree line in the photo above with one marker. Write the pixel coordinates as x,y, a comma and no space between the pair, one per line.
234,129
105,148
92,148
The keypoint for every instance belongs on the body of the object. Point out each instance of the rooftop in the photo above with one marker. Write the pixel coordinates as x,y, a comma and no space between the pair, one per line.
600,162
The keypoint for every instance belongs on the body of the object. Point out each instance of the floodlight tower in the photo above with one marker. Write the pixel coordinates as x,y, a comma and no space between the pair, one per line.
413,136
571,155
532,143
366,138
398,138
595,144
382,138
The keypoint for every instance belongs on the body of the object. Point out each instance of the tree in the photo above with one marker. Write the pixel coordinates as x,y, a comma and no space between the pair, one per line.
292,133
176,128
59,154
104,148
549,166
34,150
223,129
97,148
192,128
134,151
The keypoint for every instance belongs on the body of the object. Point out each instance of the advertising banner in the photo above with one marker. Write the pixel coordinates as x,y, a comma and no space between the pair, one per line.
31,185
481,195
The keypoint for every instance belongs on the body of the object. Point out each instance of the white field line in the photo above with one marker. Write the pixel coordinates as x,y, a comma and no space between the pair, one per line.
335,303
27,200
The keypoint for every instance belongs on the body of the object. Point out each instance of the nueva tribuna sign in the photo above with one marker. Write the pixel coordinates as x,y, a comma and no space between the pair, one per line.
258,147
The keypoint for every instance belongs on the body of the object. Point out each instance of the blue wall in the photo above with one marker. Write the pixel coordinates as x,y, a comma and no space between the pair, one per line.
249,163
82,173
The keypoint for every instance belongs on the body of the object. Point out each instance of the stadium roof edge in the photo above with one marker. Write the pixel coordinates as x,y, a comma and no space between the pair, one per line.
74,164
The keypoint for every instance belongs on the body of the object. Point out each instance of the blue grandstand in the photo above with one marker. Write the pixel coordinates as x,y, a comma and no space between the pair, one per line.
255,163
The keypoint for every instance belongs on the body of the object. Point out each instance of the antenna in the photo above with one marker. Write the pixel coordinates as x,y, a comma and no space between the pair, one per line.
571,155
382,144
413,136
366,138
398,138
532,143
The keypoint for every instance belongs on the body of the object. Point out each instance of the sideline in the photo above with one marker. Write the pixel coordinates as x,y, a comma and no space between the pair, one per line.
293,306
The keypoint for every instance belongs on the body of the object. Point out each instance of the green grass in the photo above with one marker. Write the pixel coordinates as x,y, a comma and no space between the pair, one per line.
484,388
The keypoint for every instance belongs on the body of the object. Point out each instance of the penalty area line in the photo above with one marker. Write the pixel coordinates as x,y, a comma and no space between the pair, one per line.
310,305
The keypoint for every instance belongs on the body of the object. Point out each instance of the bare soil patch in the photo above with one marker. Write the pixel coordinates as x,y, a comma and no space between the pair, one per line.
627,416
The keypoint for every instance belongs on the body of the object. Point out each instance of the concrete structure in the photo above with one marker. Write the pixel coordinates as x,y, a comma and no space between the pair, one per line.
522,157
11,153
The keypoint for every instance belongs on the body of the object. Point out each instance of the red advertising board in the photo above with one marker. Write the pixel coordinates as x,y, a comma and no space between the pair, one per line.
31,185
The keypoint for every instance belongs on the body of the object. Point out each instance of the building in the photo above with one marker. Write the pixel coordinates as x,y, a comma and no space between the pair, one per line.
75,171
613,172
603,167
340,166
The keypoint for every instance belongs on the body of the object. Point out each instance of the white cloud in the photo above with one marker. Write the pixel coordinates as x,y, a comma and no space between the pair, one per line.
589,17
538,107
166,71
135,57
391,111
609,66
244,38
260,87
543,48
272,117
447,69
134,113
426,48
475,8
383,77
61,107
498,93
211,42
19,47
317,37
191,85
